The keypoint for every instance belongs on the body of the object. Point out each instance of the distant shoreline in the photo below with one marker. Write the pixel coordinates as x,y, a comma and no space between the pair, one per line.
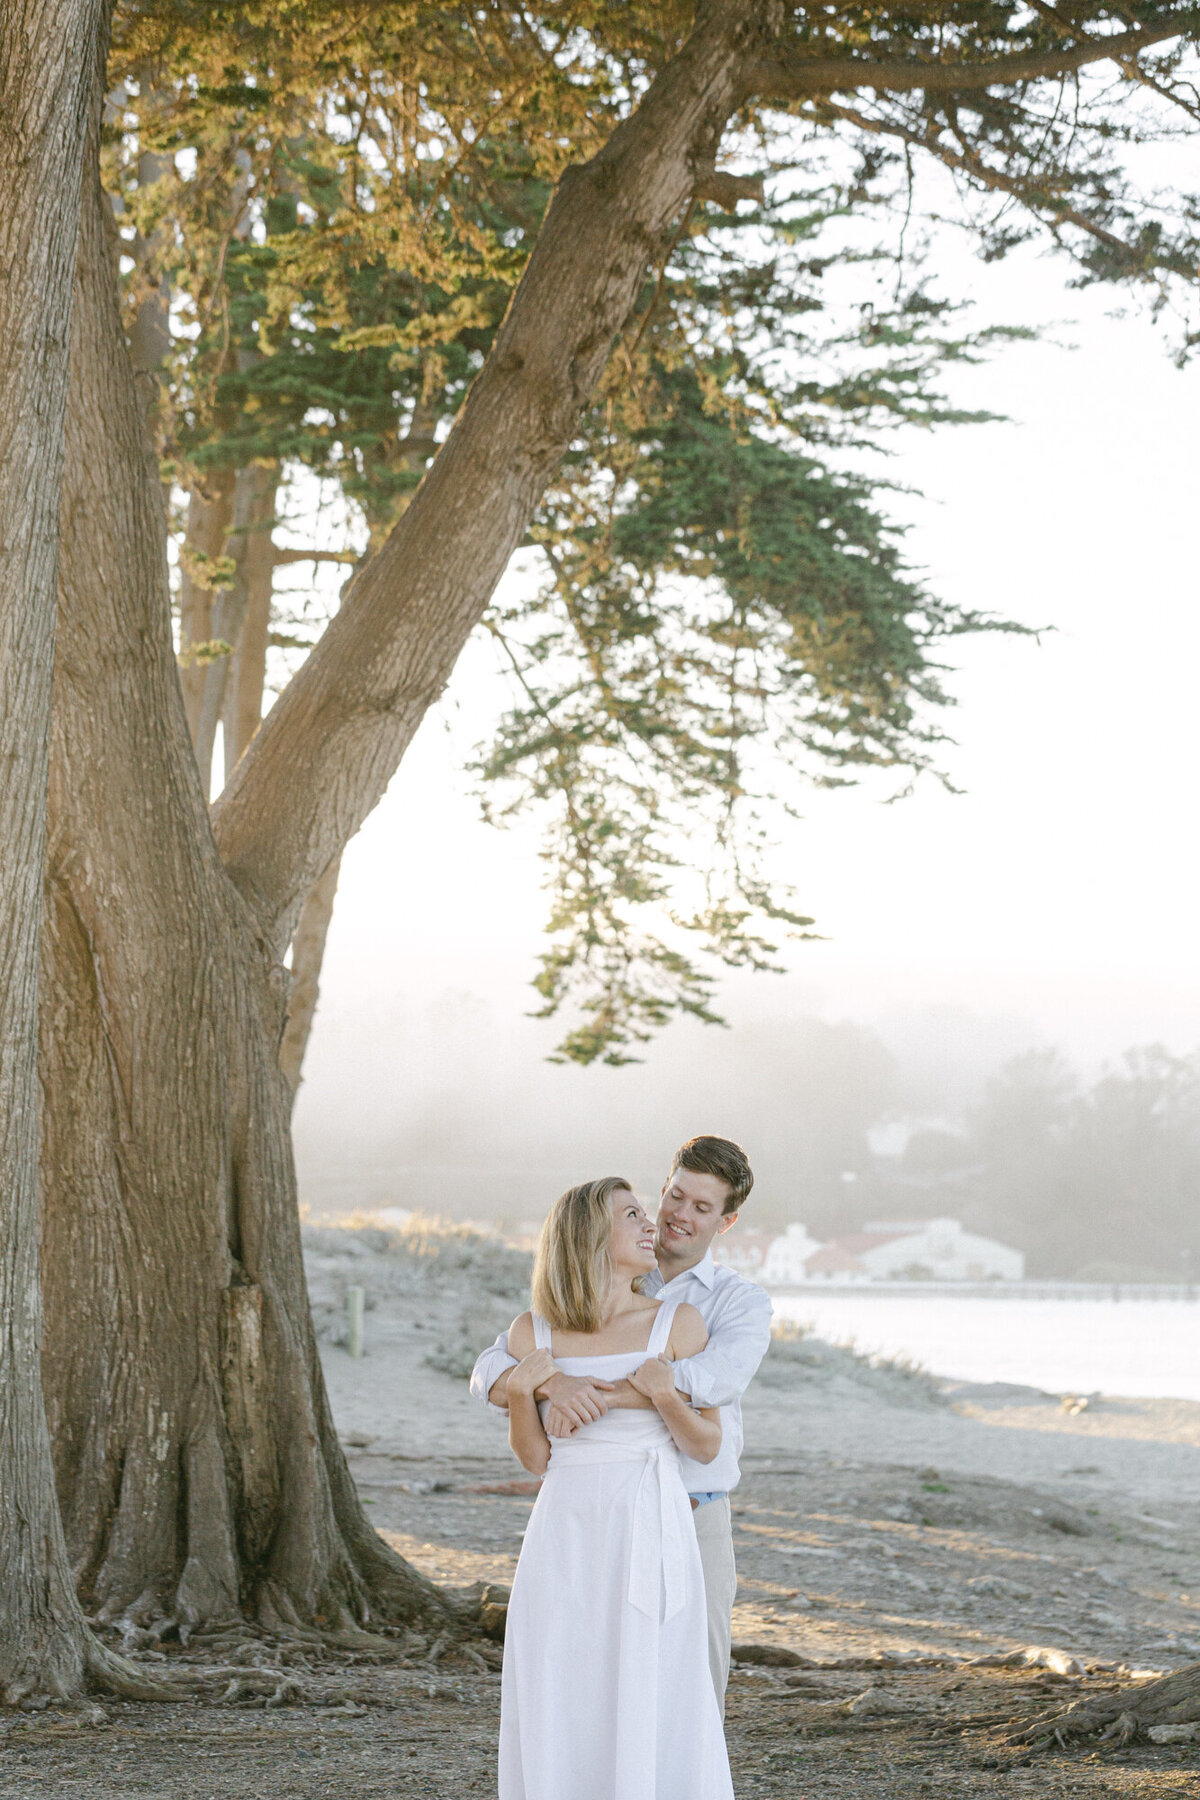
996,1290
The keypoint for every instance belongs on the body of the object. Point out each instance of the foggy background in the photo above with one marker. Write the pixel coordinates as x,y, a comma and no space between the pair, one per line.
957,1044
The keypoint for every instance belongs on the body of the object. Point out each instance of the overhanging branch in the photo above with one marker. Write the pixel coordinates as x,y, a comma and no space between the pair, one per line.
966,163
794,76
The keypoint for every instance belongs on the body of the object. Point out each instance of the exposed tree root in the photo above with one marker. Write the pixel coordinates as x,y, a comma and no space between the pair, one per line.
102,1671
242,1685
117,1675
260,1657
1168,1706
253,1665
461,1620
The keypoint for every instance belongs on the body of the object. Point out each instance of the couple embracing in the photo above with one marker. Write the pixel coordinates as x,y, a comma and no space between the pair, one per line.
622,1388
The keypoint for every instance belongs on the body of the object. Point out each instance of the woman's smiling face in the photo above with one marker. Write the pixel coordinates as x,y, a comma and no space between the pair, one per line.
631,1246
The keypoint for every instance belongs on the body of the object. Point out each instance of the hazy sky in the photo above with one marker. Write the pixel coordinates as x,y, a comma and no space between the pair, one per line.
1057,894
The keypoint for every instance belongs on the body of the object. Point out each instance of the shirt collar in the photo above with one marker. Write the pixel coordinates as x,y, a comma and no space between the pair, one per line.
705,1272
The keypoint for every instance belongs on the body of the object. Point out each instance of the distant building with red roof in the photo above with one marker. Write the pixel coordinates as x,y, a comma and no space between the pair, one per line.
915,1250
890,1250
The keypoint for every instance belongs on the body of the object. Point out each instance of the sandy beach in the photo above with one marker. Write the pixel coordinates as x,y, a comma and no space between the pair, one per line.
920,1562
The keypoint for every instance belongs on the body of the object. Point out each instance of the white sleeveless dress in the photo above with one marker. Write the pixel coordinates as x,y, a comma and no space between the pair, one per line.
606,1692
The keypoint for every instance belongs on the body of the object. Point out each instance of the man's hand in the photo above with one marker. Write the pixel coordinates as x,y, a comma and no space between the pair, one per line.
655,1379
575,1400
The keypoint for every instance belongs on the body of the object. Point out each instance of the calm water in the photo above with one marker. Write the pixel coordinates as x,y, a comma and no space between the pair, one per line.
1066,1346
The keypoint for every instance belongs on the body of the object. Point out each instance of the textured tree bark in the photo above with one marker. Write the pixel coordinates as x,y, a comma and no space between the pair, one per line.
209,521
256,570
1170,1705
198,1468
150,331
330,745
49,59
308,954
197,1464
248,547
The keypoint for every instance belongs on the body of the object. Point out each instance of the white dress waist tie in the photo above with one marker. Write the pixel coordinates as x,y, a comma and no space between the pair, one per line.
658,1565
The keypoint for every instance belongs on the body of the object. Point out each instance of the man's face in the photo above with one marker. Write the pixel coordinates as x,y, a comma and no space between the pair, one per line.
690,1217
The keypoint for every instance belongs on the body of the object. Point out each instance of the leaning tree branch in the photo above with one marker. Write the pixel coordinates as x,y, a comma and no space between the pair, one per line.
331,744
794,76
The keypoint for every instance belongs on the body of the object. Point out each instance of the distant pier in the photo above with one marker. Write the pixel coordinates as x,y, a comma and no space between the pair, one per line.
998,1290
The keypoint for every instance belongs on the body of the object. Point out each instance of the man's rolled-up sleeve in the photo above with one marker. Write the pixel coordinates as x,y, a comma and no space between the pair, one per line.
490,1365
738,1341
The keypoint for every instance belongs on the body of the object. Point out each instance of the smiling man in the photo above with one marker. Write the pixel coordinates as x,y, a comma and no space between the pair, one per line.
709,1181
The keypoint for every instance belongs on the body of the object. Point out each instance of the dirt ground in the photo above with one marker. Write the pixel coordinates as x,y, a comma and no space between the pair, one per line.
897,1538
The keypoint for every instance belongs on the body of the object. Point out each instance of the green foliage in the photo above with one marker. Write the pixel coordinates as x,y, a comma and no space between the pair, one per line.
727,617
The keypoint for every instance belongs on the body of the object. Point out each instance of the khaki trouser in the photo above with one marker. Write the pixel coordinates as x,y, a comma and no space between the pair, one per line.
714,1534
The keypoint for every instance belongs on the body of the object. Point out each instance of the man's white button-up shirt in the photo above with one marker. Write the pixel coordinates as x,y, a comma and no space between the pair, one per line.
738,1315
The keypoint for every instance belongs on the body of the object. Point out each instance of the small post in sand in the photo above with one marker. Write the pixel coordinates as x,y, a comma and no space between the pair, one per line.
355,1298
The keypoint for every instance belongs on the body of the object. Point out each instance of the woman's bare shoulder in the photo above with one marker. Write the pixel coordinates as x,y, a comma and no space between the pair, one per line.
689,1333
520,1336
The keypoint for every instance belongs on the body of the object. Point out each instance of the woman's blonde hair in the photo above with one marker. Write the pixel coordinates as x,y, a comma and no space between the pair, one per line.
571,1269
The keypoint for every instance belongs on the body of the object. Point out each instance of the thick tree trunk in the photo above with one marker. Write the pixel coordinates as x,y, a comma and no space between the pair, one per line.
49,59
326,752
308,953
198,1467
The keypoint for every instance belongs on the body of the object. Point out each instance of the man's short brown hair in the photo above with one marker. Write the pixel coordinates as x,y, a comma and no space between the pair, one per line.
724,1159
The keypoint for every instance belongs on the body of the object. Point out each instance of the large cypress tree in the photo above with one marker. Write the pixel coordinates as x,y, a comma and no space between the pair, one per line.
198,1470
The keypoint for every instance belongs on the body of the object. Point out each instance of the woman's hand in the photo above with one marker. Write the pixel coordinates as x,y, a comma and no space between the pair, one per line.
696,1432
531,1372
525,1432
655,1379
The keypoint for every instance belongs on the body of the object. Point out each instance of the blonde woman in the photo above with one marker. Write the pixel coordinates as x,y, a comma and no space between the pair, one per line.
606,1692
